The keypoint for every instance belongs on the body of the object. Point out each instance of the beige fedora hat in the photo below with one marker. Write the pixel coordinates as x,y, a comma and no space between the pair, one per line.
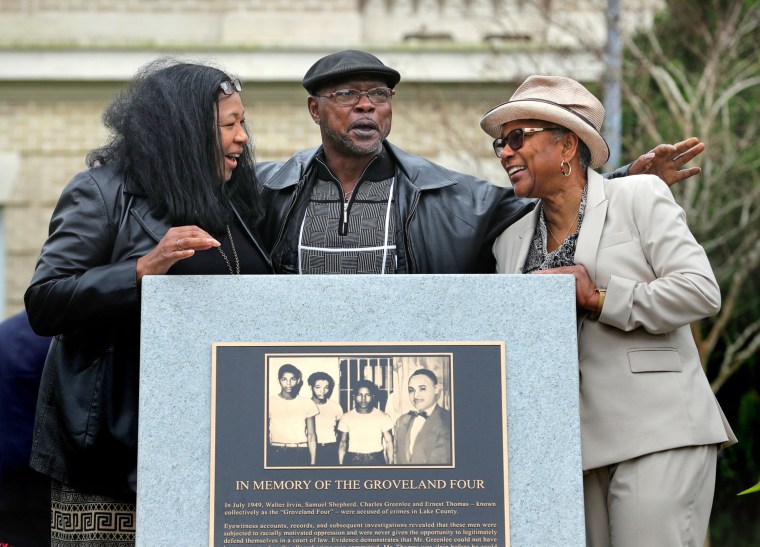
558,100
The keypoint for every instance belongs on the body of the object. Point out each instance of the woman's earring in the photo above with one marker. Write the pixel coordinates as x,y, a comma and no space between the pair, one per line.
562,168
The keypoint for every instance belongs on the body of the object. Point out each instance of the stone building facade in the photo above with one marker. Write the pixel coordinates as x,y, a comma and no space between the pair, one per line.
61,61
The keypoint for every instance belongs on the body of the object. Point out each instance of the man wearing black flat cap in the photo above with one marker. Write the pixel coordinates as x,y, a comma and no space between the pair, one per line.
358,204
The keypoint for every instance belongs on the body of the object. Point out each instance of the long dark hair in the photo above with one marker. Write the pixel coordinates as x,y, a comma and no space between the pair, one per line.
165,137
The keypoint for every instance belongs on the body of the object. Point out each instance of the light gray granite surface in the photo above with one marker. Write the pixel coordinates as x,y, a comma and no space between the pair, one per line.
534,315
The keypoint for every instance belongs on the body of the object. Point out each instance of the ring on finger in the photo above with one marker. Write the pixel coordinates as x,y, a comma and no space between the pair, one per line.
180,247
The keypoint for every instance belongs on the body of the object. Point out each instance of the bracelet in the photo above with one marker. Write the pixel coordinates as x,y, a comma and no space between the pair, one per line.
602,294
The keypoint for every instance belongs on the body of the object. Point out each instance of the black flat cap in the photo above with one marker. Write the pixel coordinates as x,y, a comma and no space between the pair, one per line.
342,64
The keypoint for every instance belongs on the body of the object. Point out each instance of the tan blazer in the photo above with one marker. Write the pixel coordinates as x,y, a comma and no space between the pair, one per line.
642,385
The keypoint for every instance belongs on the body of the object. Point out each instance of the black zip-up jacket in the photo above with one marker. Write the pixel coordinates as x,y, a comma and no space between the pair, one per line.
448,221
84,293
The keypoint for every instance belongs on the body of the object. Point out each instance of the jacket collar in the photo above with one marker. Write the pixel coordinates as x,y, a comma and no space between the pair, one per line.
130,187
380,167
524,228
593,222
588,237
292,171
411,166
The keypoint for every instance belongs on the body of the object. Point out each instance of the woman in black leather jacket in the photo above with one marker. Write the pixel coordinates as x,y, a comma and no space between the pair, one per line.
173,192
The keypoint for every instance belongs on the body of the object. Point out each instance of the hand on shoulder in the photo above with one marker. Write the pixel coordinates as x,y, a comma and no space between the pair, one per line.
666,160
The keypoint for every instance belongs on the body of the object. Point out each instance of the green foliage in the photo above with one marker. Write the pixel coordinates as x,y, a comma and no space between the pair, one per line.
751,490
698,73
693,29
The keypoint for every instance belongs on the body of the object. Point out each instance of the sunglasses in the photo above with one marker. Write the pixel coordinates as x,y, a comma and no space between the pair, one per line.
516,137
230,86
377,95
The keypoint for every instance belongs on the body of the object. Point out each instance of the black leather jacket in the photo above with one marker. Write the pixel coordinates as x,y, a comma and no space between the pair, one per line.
84,292
448,221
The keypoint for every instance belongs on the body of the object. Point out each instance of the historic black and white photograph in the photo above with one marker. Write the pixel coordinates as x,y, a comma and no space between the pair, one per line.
363,409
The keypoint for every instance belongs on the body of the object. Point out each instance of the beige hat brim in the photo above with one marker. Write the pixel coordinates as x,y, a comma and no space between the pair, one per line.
528,109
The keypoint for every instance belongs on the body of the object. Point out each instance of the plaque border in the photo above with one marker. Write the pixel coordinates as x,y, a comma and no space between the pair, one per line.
417,348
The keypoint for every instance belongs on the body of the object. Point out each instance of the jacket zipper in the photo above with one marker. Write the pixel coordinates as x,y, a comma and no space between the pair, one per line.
343,228
409,252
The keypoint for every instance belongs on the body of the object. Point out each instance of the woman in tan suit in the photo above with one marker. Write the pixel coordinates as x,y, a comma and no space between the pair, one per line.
650,425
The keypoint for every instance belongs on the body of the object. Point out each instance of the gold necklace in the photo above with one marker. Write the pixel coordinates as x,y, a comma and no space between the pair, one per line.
559,244
234,252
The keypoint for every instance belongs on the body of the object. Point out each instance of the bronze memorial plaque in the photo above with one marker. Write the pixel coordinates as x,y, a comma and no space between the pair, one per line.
345,443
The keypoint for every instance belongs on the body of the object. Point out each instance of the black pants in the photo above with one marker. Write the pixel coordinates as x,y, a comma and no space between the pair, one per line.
327,454
357,458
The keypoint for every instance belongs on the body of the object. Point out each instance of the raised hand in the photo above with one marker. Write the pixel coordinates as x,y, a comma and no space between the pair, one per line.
665,161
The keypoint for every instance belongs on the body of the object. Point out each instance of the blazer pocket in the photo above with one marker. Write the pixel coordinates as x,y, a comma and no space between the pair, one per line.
615,239
654,360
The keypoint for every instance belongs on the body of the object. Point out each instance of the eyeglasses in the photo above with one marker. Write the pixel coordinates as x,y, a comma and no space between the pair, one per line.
230,86
516,137
377,95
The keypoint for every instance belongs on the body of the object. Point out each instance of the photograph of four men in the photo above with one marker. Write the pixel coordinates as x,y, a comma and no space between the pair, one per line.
359,410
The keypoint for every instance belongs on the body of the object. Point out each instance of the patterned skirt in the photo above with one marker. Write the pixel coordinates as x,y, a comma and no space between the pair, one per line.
88,520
